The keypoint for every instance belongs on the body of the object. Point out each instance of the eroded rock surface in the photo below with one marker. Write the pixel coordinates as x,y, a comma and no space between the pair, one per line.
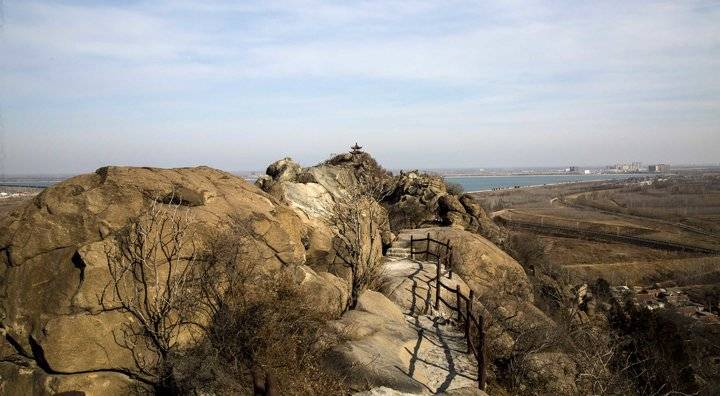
53,264
313,193
417,199
412,199
484,266
412,354
374,350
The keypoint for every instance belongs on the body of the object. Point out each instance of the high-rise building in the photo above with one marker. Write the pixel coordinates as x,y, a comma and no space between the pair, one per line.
657,168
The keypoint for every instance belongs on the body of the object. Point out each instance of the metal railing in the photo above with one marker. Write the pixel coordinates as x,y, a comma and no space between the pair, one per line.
473,323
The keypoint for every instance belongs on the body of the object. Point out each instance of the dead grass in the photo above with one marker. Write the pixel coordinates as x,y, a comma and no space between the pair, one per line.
644,272
687,199
628,209
569,251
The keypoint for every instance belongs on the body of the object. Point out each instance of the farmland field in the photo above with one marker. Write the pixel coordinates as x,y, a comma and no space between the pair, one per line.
679,214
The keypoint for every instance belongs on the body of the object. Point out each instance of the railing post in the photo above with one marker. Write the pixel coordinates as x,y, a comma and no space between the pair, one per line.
457,301
437,286
468,312
427,247
412,251
448,258
482,375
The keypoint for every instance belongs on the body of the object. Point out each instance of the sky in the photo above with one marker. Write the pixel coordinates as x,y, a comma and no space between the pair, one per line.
421,84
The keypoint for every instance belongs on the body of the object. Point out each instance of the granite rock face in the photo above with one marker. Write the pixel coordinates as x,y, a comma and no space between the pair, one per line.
412,199
486,268
415,199
31,380
58,337
377,336
53,264
315,191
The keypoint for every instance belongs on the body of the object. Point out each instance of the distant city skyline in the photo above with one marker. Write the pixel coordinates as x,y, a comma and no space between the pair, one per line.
431,84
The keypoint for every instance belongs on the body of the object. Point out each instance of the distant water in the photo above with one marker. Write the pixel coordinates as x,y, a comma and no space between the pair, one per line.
485,183
469,183
35,182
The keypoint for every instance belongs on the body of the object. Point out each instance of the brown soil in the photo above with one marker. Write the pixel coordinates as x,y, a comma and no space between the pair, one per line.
683,210
641,272
570,251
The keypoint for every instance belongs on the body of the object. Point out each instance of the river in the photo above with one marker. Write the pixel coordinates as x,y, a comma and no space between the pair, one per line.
486,183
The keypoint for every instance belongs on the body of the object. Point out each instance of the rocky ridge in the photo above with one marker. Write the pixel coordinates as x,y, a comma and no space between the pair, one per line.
53,268
53,264
412,199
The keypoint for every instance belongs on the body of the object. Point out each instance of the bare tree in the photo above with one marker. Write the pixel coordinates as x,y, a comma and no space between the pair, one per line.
455,188
357,221
266,335
152,279
602,368
209,316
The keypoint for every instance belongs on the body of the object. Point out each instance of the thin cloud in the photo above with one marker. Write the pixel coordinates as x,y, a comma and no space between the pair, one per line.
497,74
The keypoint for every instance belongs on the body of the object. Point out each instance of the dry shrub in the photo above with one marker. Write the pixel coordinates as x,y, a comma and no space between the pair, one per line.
276,337
213,320
664,351
551,282
597,353
527,249
264,331
591,346
408,213
454,188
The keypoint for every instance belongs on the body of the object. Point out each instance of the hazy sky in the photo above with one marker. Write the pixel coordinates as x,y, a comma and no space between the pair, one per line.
238,84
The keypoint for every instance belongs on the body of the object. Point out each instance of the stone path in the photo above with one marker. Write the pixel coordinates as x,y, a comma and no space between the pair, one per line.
439,359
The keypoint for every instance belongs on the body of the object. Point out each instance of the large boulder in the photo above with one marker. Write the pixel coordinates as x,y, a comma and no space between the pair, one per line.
374,353
324,291
486,268
341,174
315,191
54,269
416,199
285,169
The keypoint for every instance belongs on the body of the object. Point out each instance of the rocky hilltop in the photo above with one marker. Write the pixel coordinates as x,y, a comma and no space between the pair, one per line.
60,336
419,204
413,199
57,335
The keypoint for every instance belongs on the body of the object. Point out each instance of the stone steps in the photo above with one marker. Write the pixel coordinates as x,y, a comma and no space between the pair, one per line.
402,243
400,252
